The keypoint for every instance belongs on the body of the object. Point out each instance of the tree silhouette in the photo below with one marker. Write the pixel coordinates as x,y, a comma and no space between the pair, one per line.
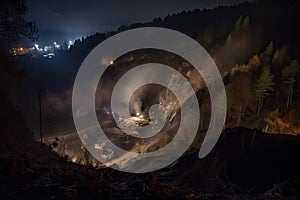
13,23
238,23
263,87
289,78
281,56
13,28
246,22
269,50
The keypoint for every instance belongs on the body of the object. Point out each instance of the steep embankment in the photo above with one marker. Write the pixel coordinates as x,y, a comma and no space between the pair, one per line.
245,157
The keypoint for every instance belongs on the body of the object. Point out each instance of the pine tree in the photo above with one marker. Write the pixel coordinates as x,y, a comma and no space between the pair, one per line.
246,22
229,39
238,23
281,57
288,77
269,50
264,87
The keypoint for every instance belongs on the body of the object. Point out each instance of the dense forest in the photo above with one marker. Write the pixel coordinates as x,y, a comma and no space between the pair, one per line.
256,48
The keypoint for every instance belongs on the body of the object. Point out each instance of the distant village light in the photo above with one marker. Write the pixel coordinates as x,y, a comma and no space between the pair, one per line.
56,45
47,51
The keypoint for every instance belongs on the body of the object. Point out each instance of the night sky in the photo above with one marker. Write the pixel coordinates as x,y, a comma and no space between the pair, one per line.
61,20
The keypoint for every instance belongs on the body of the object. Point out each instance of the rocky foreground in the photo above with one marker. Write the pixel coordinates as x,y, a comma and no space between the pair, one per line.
245,164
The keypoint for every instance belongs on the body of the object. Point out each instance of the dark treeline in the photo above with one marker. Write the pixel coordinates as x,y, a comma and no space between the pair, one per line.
276,20
256,48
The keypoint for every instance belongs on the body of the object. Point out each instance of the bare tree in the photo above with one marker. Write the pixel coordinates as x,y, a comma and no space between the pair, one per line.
41,94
